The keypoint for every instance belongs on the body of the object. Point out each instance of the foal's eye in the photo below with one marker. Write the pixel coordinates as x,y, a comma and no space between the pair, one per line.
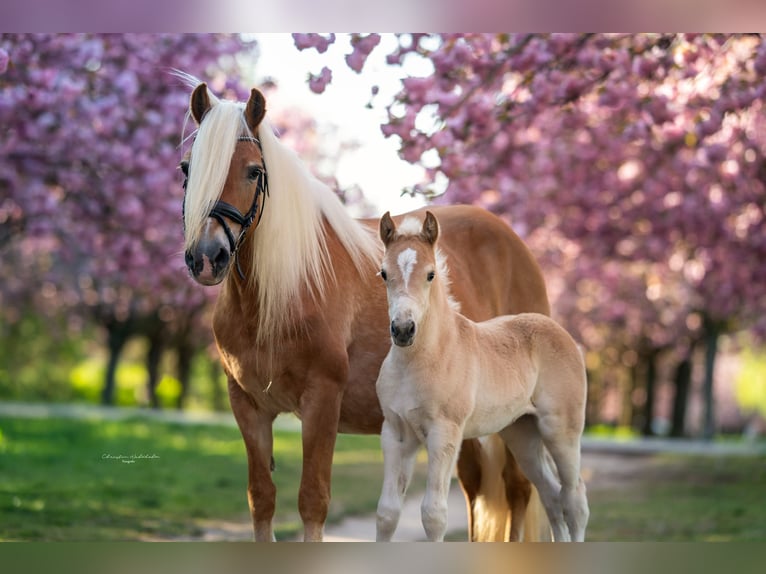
430,276
253,172
383,275
184,165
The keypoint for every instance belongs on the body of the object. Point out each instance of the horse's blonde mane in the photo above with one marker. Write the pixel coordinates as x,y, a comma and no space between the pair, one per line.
290,251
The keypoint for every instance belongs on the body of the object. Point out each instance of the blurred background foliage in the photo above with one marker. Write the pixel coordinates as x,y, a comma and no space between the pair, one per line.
633,166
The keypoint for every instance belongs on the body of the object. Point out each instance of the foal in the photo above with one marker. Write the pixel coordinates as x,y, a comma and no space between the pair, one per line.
446,378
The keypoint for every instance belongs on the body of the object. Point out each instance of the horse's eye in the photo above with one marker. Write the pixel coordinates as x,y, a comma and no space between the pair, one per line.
184,165
430,276
383,275
253,172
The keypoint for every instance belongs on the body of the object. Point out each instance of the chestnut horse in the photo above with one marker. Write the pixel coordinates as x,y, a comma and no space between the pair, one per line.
300,322
447,378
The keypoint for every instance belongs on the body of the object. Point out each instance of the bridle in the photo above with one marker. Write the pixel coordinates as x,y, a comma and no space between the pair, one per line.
222,210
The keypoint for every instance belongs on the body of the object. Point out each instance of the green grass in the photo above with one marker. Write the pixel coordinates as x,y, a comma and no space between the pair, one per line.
57,484
678,498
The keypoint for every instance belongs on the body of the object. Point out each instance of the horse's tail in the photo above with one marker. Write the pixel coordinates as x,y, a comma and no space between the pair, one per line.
489,476
536,525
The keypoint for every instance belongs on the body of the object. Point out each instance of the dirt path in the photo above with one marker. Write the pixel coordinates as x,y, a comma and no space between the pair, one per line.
601,469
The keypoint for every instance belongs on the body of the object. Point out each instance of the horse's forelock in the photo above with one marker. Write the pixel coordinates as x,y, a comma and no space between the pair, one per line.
215,139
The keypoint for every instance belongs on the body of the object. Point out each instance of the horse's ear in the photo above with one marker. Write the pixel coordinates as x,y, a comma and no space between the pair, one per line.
430,231
255,110
200,103
387,228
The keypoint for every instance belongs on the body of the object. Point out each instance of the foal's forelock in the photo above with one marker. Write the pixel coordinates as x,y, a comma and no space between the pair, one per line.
211,154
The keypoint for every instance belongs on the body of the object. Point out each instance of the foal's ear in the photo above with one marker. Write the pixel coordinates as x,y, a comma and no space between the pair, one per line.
255,110
430,231
387,228
200,103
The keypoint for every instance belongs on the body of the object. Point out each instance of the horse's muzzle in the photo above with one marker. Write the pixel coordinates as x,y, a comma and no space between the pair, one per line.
403,333
208,262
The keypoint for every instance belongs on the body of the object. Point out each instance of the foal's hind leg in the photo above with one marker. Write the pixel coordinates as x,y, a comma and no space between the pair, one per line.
399,447
565,450
526,444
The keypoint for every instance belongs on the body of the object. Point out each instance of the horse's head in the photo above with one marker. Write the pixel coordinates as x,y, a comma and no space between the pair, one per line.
410,265
226,184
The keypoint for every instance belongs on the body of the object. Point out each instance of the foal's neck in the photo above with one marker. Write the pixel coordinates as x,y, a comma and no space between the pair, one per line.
438,327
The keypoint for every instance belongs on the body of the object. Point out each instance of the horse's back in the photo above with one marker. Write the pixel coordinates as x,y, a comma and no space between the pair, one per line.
486,256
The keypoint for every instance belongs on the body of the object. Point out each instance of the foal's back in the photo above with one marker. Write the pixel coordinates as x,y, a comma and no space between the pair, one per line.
522,363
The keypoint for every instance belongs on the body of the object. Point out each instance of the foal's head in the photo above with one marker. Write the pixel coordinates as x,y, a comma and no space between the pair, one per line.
410,266
225,182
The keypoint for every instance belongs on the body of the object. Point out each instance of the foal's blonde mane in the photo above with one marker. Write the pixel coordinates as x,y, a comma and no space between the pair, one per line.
289,247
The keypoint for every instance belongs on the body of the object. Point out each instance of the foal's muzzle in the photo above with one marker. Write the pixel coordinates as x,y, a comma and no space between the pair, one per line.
403,332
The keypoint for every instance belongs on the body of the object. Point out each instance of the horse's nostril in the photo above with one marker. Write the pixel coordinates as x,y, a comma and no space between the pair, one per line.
194,265
410,328
221,259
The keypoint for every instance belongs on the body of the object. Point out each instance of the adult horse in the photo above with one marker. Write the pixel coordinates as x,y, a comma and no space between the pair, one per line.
301,321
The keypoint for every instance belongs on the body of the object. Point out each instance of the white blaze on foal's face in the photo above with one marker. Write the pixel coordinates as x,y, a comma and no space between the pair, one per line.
406,261
408,271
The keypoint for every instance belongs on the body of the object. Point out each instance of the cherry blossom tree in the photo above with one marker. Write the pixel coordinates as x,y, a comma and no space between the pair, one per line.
90,197
88,189
643,153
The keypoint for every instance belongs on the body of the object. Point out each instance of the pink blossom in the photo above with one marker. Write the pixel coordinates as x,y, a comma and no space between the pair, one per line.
318,83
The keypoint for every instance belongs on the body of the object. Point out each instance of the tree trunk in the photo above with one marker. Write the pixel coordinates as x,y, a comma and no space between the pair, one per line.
184,354
593,404
682,381
153,357
712,333
117,336
651,379
626,397
220,402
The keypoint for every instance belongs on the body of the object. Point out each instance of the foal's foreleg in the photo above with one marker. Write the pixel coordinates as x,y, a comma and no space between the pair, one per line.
399,447
255,427
443,445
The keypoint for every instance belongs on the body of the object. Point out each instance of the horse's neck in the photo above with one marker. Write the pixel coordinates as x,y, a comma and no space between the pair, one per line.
244,292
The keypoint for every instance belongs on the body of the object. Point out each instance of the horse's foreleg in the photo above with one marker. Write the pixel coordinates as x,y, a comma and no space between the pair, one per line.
469,472
399,449
255,427
320,411
443,444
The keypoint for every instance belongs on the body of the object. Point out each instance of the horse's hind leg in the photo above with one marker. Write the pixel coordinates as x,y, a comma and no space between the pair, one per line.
526,443
518,491
399,447
443,444
255,427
